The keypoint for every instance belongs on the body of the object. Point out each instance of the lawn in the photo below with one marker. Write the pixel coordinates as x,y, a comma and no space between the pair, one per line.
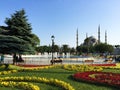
60,74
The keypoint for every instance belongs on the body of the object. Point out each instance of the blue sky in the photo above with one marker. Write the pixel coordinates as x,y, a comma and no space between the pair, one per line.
61,18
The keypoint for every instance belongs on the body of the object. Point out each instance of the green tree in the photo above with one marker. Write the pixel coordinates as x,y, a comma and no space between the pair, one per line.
72,50
40,49
43,49
86,41
65,49
35,40
104,48
56,48
82,49
17,36
91,49
117,46
12,44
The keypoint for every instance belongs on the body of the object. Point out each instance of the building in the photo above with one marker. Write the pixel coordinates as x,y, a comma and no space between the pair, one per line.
90,41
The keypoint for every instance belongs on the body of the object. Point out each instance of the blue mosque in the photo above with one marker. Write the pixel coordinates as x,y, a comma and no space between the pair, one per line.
91,40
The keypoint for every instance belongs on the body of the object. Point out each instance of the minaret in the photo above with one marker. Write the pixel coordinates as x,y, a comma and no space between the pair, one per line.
106,37
77,38
76,41
86,35
99,34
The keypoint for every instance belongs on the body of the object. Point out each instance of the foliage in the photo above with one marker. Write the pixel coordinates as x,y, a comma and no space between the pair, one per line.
43,49
103,48
65,49
17,37
22,85
82,68
56,73
56,48
48,49
72,50
56,82
36,40
82,49
86,41
106,78
98,48
117,46
12,44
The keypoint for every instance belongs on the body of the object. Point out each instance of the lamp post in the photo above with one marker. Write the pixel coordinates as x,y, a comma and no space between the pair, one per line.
52,38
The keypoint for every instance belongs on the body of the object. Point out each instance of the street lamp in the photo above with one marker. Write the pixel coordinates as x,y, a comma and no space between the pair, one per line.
52,38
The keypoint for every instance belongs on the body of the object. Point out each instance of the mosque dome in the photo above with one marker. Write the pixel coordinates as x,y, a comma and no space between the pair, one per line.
90,41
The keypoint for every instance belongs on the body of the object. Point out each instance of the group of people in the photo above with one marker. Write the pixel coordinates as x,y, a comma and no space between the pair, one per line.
17,58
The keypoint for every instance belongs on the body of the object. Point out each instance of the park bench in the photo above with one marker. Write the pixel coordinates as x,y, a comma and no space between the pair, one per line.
88,61
56,60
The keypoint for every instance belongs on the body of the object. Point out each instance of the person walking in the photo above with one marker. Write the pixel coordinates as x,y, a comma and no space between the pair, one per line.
2,58
15,58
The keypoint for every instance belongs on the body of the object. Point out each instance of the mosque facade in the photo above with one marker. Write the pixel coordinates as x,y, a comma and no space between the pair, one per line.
91,40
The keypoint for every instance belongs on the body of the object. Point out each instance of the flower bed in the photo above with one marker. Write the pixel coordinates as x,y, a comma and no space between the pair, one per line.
82,68
23,68
112,79
104,64
64,85
14,69
108,66
32,65
21,85
8,72
13,81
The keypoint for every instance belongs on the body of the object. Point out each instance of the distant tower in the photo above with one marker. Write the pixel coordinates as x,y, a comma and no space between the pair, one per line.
77,38
76,41
86,35
99,34
106,37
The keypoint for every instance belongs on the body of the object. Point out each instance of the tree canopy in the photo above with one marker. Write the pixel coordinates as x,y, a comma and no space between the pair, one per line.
65,48
17,36
104,48
97,48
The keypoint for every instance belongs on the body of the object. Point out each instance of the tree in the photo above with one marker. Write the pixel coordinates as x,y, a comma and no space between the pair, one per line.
103,48
42,49
12,44
17,37
117,46
56,48
65,49
18,24
36,40
91,49
82,49
86,41
72,50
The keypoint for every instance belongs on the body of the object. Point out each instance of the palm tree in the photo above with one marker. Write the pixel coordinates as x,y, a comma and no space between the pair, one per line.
65,49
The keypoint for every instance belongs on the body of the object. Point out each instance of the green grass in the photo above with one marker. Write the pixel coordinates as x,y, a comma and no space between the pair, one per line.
60,74
8,88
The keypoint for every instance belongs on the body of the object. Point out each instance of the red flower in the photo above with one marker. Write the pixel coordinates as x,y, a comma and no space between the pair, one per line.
99,77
